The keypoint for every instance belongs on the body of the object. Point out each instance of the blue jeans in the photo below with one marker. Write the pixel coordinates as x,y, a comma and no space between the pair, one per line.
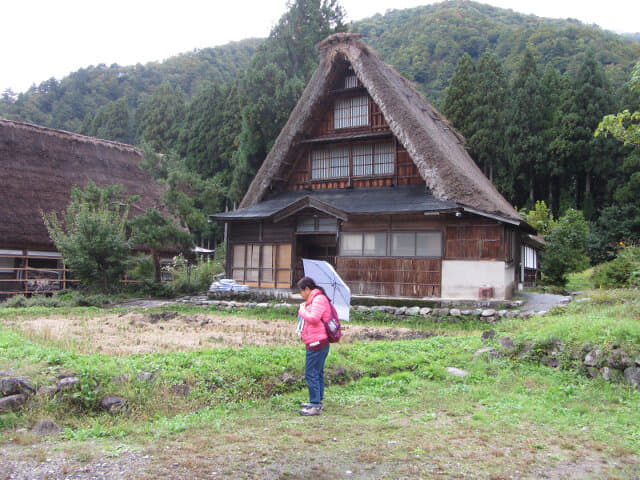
314,374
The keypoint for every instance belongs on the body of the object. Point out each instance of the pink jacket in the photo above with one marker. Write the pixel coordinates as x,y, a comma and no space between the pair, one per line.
316,309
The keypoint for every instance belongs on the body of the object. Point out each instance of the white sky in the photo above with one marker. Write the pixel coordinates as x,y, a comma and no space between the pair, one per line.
40,39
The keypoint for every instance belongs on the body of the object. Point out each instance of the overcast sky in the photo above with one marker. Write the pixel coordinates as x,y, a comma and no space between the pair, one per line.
41,39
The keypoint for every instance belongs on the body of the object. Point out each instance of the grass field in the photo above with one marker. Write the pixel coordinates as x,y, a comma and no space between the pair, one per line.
225,387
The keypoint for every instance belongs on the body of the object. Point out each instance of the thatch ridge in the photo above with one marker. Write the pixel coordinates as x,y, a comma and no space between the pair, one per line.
40,165
431,141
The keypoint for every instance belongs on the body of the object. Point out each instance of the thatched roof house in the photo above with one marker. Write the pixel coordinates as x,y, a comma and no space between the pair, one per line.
365,148
39,167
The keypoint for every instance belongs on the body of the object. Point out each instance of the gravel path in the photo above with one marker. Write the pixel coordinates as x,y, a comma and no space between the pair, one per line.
537,302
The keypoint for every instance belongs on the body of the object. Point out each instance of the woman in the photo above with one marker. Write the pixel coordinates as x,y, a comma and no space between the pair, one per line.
314,311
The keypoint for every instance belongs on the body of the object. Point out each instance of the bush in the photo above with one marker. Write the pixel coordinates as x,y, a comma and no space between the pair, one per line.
623,271
565,248
196,280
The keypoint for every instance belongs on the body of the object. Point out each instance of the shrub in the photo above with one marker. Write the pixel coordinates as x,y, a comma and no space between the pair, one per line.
623,271
565,248
197,279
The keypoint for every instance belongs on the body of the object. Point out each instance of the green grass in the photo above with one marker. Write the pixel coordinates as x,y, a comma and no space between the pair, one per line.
580,281
392,409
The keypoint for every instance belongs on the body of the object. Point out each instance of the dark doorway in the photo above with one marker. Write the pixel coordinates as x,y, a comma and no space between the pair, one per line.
315,247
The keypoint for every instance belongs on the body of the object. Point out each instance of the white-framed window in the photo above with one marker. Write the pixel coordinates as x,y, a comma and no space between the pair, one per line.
351,112
313,224
367,244
416,244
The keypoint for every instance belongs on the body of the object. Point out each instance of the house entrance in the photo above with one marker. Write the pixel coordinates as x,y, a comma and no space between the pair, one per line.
315,247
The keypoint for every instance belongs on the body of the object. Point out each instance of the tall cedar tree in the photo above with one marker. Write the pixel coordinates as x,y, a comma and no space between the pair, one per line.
275,80
159,120
487,121
458,103
524,130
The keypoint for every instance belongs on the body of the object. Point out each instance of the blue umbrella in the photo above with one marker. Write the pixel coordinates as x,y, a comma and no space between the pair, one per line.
325,276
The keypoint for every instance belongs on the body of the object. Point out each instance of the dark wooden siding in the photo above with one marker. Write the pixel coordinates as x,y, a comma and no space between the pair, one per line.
396,277
474,242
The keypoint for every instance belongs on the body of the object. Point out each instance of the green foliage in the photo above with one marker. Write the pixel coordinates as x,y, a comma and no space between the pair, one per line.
621,272
565,250
541,218
154,231
92,238
624,126
197,278
160,118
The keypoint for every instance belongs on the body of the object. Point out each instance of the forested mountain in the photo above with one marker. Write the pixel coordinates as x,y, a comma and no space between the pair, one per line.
77,98
425,43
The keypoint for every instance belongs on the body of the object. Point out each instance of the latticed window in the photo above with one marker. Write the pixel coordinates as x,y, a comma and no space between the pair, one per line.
350,81
351,112
330,163
383,159
362,160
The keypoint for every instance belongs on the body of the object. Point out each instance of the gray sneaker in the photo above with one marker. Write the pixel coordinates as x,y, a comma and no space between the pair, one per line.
311,411
308,405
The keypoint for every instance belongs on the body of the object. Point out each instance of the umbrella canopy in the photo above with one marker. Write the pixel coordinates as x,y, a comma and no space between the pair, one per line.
326,277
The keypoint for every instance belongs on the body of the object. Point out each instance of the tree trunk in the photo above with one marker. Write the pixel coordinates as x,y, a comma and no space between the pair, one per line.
156,264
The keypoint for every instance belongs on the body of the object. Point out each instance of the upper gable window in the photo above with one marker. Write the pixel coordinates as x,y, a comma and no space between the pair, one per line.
351,112
350,81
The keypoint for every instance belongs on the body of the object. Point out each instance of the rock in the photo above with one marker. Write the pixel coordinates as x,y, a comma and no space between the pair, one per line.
411,311
488,335
47,391
425,311
525,313
517,303
457,372
489,351
507,343
12,403
455,312
466,313
15,386
145,376
67,383
477,311
592,372
440,312
46,428
489,312
113,403
391,310
592,358
550,361
262,305
502,313
512,314
288,379
611,374
400,310
362,308
619,359
632,376
542,313
182,389
121,379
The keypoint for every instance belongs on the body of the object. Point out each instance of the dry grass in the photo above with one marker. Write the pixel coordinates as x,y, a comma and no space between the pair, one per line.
135,332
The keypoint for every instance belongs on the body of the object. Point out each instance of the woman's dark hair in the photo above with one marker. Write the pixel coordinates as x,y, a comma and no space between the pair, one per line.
305,282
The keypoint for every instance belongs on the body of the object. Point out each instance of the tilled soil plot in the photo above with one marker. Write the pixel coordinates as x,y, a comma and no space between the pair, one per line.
141,332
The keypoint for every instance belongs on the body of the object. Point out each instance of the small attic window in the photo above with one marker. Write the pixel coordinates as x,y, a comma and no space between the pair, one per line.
350,81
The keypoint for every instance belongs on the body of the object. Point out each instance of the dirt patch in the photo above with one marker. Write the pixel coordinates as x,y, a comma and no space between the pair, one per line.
134,332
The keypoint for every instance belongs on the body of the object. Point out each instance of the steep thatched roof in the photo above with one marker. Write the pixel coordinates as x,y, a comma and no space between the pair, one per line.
436,149
39,167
